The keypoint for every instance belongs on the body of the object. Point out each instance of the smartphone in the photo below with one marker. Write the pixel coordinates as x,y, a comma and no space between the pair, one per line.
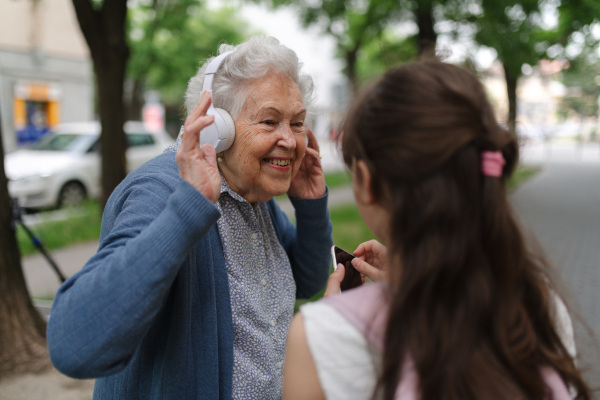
352,277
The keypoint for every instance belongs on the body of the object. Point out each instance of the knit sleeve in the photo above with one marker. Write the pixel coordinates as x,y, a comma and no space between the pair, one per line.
307,243
100,315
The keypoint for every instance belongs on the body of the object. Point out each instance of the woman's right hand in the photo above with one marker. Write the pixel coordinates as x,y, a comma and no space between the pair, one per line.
370,260
198,165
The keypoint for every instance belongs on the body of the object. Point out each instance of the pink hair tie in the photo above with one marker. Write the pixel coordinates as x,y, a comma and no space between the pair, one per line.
492,163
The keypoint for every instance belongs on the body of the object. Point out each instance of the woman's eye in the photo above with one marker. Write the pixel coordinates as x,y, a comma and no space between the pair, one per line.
298,124
269,122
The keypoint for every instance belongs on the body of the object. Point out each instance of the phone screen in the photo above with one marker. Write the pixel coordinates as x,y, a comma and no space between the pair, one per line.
352,277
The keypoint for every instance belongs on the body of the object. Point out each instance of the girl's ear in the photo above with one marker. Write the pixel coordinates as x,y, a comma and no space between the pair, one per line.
363,183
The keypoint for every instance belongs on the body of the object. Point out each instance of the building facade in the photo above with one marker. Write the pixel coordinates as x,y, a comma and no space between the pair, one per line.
46,75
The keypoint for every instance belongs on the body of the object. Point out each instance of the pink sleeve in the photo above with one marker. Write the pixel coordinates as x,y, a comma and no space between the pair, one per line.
558,389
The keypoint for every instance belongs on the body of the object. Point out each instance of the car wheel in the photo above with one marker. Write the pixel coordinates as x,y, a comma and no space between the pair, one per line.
71,194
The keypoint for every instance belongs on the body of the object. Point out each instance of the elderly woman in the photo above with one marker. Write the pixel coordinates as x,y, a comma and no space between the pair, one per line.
192,289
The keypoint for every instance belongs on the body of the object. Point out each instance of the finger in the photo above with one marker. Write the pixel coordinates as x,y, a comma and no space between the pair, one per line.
191,137
360,250
201,107
209,155
196,121
334,282
371,248
367,269
312,140
314,154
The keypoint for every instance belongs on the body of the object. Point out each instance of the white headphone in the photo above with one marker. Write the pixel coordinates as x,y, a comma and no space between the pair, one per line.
222,132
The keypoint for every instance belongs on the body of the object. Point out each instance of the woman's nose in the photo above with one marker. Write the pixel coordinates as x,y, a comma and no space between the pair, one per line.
286,137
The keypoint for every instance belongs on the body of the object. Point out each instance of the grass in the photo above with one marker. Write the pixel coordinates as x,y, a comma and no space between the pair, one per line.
521,174
337,179
333,180
83,224
349,230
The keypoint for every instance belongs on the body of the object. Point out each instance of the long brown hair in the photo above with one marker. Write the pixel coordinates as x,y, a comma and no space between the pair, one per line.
470,302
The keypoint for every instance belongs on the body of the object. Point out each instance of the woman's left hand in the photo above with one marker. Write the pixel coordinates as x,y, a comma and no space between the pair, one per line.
309,182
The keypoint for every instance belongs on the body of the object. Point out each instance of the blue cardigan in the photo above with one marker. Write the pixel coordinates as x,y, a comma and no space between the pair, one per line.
149,314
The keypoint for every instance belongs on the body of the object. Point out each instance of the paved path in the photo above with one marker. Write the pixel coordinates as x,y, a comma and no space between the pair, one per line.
560,206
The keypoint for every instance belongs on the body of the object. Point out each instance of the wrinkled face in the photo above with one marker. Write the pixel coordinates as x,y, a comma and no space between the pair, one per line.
270,140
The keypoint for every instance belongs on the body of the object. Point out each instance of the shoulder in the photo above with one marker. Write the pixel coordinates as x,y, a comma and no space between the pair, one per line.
345,361
161,167
155,176
366,309
145,191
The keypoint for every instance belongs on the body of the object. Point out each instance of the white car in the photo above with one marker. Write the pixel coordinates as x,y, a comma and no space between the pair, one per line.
64,167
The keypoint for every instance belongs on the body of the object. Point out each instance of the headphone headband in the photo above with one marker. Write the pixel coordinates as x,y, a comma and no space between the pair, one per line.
221,133
212,69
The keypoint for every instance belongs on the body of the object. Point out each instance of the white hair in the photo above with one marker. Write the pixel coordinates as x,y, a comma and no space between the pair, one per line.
249,61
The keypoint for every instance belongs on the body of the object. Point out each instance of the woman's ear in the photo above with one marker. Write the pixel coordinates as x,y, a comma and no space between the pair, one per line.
363,183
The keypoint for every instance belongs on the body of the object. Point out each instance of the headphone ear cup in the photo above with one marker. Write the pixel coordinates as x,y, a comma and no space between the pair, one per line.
226,128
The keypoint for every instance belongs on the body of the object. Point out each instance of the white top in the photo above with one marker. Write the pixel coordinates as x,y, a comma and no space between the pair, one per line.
346,363
347,352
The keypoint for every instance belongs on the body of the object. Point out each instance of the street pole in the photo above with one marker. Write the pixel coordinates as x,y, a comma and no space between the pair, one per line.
17,218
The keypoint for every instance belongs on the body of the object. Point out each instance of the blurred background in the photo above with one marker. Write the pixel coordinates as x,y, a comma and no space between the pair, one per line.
72,73
538,59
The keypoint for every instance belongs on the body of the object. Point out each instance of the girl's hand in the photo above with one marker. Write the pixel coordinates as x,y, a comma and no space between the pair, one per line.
370,260
334,282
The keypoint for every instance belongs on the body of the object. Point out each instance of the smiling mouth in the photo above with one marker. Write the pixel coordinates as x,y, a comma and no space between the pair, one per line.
278,162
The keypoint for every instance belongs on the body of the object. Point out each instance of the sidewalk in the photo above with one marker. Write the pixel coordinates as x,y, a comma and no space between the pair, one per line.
560,207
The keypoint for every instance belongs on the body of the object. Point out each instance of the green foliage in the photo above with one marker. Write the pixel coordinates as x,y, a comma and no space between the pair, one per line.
378,55
511,27
576,16
582,80
353,24
170,40
516,29
520,33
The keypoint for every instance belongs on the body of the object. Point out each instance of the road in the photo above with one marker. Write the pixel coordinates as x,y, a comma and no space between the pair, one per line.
560,206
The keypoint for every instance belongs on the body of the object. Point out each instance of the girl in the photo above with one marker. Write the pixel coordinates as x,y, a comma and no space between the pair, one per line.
464,309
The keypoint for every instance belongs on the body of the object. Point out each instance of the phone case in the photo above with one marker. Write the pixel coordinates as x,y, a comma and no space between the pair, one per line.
352,277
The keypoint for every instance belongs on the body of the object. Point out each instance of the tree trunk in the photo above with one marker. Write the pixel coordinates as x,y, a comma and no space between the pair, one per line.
136,101
511,92
104,31
112,118
351,69
427,38
22,329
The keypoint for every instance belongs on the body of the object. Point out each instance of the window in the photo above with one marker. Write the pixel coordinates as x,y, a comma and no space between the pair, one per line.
139,139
